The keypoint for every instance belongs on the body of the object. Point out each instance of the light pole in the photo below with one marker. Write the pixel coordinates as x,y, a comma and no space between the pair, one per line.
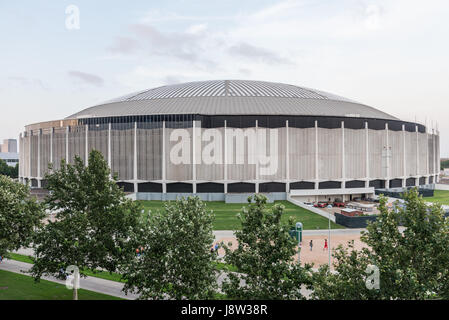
298,229
329,246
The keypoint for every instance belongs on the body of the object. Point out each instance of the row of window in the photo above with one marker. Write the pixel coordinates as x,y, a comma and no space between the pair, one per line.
243,187
247,121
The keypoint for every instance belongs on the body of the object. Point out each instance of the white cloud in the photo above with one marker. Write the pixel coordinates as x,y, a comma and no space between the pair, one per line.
197,28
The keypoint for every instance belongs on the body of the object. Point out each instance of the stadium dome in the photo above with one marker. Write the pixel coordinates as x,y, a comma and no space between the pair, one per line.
224,139
237,97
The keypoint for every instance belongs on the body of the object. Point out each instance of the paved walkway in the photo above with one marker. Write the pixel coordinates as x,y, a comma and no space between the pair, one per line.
108,287
322,232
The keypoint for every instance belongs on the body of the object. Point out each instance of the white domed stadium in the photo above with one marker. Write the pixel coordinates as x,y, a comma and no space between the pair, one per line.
225,139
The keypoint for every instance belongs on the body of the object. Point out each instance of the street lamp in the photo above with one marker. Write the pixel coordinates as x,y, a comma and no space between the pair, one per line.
329,242
297,233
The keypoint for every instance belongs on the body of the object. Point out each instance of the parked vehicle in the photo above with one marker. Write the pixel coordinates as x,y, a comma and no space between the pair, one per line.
339,203
321,204
308,204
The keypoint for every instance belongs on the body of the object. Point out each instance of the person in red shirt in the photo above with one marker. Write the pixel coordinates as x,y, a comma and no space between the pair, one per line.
325,245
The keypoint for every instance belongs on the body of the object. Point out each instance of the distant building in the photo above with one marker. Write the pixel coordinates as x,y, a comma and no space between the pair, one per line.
11,158
8,152
9,146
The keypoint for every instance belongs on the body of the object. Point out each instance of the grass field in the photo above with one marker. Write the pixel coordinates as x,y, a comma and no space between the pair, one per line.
226,215
14,286
440,196
106,275
99,274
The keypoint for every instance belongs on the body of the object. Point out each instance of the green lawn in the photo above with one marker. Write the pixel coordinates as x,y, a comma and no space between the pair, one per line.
226,215
440,196
14,286
99,274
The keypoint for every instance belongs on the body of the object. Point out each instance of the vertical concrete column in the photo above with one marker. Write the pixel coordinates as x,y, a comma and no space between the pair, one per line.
367,154
52,132
164,176
427,158
39,137
110,146
316,156
436,164
256,147
29,154
135,159
387,132
404,161
87,146
343,157
287,158
67,144
417,155
194,156
225,158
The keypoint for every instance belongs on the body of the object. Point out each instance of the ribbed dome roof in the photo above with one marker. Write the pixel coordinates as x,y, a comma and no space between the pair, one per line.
232,97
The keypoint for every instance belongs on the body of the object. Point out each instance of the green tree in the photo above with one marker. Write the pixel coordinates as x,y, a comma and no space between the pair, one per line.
412,263
264,257
19,215
177,262
12,172
96,226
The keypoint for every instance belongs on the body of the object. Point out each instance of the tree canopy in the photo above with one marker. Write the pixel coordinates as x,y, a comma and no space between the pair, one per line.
177,260
265,256
12,172
19,215
412,263
95,225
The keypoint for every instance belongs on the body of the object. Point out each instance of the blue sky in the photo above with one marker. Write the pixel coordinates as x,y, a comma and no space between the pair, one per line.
392,55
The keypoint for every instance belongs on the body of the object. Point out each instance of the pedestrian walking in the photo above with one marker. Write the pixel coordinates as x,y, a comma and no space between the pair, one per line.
311,245
325,245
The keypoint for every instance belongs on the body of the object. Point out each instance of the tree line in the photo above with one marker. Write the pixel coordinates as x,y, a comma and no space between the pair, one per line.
12,172
167,255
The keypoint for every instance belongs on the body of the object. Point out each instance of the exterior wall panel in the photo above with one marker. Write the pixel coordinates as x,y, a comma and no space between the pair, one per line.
122,151
411,154
423,148
209,154
59,147
178,154
77,143
302,153
98,139
330,154
149,154
377,154
45,149
396,143
355,154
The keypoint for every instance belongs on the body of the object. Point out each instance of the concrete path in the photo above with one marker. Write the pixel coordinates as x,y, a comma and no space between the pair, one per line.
322,232
108,287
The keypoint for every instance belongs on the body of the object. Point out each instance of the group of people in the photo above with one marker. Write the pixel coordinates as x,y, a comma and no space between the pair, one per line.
324,248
